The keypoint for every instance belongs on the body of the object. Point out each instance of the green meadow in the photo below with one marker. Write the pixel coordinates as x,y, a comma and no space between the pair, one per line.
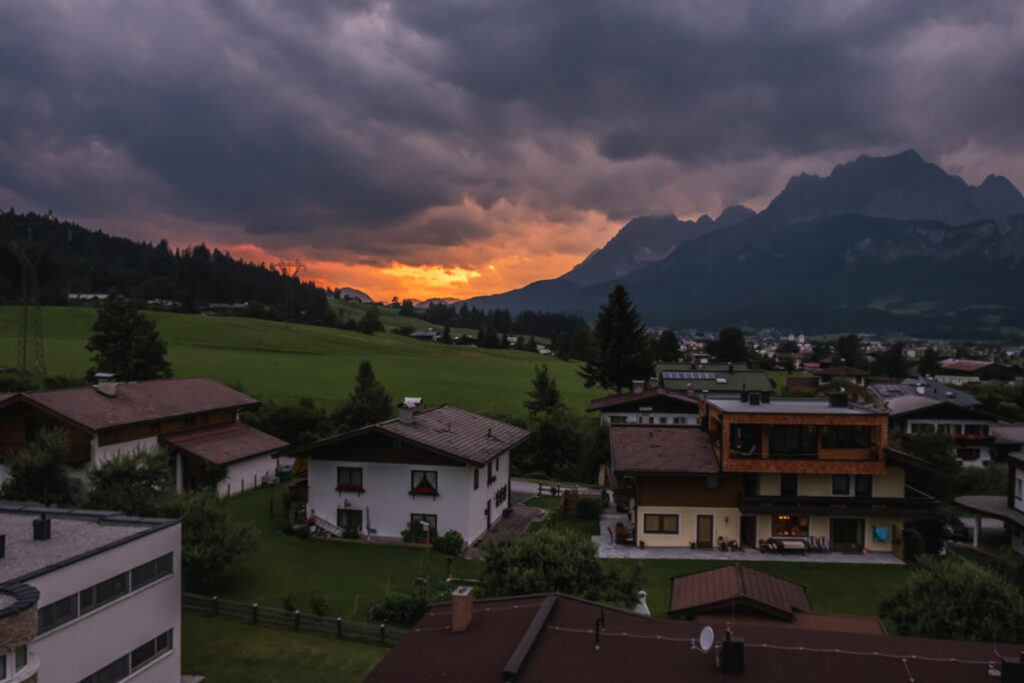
283,361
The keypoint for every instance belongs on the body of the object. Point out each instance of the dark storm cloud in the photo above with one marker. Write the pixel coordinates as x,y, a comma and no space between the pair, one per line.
343,125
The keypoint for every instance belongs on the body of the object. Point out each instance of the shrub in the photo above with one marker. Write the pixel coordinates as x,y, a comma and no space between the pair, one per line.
413,532
302,532
589,508
318,605
288,603
913,545
399,608
449,544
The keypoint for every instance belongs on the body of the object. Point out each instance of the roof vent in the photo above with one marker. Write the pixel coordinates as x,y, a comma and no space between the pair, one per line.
732,654
106,383
41,528
919,388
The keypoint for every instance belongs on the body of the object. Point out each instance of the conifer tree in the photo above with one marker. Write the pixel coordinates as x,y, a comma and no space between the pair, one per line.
544,397
623,350
126,343
369,402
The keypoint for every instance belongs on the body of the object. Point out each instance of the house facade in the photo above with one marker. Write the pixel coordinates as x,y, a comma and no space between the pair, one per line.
654,406
968,427
197,419
444,466
1009,508
814,471
89,596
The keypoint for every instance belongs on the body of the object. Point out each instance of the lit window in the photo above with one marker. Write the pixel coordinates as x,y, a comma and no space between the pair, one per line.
789,525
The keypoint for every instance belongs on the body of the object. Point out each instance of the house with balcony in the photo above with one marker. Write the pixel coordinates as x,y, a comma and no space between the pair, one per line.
1009,508
970,428
815,473
654,406
446,467
197,419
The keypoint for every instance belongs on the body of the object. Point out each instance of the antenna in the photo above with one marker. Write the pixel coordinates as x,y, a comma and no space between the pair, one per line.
707,638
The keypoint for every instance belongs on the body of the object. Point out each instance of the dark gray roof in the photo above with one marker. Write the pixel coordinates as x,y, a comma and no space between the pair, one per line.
914,386
1008,433
790,406
714,379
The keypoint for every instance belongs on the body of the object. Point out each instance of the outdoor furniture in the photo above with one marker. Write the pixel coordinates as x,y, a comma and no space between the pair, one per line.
791,546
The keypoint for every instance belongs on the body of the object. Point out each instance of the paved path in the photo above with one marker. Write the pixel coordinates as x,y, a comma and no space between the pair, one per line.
514,525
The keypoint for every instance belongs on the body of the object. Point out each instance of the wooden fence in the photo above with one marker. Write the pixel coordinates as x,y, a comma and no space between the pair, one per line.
296,621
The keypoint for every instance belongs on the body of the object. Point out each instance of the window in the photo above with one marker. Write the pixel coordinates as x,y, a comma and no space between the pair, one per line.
788,485
121,668
111,673
154,427
862,486
846,437
678,420
1019,492
350,479
661,524
497,464
476,478
103,592
617,419
922,428
424,482
350,519
949,429
840,485
663,420
794,440
57,613
21,658
151,571
789,525
3,665
968,453
429,519
745,440
490,472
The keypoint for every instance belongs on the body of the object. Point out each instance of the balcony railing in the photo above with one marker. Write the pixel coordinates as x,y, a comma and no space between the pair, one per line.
915,502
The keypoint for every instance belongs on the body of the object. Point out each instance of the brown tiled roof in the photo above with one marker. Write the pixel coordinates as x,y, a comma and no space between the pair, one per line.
225,444
839,371
966,365
810,621
140,401
445,430
616,400
635,648
4,397
675,450
715,588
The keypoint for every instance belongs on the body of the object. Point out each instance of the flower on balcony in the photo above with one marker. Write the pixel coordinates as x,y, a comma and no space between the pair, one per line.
351,488
423,491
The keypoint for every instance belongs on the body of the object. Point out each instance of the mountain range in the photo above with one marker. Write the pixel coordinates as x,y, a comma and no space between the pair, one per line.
892,244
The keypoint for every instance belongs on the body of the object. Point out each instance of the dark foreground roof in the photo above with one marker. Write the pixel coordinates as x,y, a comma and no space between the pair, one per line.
225,444
136,402
716,588
669,450
446,430
551,638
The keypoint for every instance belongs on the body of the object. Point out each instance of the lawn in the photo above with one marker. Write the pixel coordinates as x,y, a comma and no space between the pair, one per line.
351,576
225,651
284,361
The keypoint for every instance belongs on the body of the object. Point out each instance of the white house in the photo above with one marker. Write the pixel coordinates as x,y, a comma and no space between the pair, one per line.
969,428
197,419
89,596
444,466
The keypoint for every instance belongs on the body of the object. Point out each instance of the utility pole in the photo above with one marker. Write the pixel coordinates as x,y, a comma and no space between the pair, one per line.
30,338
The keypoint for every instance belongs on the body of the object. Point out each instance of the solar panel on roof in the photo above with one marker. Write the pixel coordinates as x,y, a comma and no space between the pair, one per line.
688,375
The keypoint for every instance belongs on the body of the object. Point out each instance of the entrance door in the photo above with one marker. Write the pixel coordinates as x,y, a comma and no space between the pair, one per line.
705,531
748,531
847,535
350,519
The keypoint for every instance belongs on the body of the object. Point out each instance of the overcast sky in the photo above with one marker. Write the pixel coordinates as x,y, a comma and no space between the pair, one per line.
466,146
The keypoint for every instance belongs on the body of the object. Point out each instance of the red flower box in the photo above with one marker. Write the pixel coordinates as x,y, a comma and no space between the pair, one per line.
352,488
423,491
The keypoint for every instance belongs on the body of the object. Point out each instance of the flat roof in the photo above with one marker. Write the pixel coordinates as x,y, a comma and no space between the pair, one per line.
791,406
74,535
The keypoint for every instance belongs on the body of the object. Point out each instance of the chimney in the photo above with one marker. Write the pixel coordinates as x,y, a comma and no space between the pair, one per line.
41,528
1013,669
732,654
106,383
730,366
407,409
462,608
838,400
920,388
638,386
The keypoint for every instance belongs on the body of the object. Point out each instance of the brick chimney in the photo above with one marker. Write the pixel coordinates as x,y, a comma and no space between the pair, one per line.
638,386
462,608
106,384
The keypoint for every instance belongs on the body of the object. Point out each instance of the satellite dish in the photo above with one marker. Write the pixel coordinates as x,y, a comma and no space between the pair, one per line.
707,638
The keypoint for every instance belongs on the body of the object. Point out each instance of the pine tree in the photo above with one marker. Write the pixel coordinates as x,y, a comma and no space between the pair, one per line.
126,343
623,351
544,397
368,403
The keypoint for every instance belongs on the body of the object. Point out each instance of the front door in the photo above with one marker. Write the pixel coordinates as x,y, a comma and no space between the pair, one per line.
350,519
748,531
705,531
847,535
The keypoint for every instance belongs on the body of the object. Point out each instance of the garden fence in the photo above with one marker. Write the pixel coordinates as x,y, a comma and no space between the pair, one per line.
253,613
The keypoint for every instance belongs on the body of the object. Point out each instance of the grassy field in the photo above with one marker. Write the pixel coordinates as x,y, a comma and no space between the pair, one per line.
225,652
283,361
352,576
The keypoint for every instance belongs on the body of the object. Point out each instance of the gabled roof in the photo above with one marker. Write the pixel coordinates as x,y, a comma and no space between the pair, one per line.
912,404
714,379
924,387
1008,433
445,430
558,644
642,449
965,365
225,444
135,402
838,371
619,400
4,397
717,588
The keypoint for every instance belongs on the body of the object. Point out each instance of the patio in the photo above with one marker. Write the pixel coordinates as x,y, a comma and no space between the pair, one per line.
606,548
